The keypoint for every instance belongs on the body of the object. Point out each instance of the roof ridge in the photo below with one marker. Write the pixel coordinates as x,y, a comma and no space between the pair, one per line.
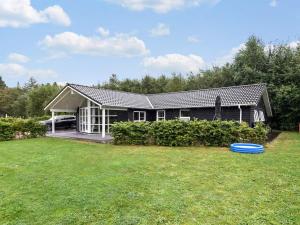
205,89
172,92
107,89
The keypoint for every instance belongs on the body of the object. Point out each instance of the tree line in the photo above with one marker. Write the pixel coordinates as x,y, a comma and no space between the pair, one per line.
276,65
28,100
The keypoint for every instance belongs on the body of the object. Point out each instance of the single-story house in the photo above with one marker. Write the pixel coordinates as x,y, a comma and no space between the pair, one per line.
96,109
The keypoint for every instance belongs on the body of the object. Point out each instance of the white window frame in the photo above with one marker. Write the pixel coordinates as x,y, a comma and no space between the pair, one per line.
259,115
185,118
139,112
160,118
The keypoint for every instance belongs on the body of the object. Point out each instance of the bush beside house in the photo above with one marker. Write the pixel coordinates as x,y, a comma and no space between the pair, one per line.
15,128
191,133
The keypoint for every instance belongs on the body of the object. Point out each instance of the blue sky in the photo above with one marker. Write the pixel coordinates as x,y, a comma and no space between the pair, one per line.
86,41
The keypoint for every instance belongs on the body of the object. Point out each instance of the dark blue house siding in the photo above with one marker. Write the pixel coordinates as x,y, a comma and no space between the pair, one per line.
172,114
228,113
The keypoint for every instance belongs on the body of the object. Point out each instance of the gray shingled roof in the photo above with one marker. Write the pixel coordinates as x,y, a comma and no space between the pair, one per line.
114,98
230,96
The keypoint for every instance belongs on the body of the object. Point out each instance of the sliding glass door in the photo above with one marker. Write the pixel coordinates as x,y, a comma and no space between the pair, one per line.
94,123
83,119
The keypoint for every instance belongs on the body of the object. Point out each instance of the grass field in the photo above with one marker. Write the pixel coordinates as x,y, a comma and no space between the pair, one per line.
53,181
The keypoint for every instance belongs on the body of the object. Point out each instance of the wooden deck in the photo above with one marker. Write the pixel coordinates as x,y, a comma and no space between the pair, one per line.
72,134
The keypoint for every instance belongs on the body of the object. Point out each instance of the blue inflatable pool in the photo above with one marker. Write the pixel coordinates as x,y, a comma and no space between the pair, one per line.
247,148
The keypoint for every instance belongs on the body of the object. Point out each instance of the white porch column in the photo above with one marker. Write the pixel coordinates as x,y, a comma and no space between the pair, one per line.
53,122
89,116
108,121
103,123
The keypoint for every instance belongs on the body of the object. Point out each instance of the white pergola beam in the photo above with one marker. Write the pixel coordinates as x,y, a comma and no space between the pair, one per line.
103,123
89,119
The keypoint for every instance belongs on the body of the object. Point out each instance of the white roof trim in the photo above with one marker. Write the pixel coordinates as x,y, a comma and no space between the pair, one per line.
50,106
149,102
62,91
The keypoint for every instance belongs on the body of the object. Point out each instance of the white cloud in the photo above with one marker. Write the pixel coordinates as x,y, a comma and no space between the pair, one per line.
20,13
14,70
160,6
273,3
193,39
62,83
57,15
229,57
294,44
174,63
103,32
122,45
18,58
160,30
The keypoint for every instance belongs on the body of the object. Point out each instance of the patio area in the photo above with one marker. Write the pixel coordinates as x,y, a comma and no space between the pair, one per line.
73,134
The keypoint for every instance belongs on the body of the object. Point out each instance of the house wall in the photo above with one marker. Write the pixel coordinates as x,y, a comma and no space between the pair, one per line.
228,113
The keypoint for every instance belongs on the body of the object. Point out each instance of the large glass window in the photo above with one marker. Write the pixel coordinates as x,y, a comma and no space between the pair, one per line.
160,115
95,119
139,116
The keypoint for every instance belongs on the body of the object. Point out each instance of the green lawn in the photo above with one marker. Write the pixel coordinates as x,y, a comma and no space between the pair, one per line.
54,181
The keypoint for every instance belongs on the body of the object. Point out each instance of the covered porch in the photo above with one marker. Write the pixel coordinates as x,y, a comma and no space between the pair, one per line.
93,120
73,134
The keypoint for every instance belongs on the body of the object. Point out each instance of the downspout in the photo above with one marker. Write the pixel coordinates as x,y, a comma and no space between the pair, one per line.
241,113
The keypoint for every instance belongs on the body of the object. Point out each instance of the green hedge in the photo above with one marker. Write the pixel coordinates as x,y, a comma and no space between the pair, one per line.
131,133
191,133
15,128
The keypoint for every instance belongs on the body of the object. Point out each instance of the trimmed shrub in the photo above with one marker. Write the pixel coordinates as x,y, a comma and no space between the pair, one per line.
131,133
7,131
171,133
191,133
15,128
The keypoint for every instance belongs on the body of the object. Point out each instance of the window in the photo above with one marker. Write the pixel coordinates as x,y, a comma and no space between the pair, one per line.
184,114
160,115
261,115
256,117
139,116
